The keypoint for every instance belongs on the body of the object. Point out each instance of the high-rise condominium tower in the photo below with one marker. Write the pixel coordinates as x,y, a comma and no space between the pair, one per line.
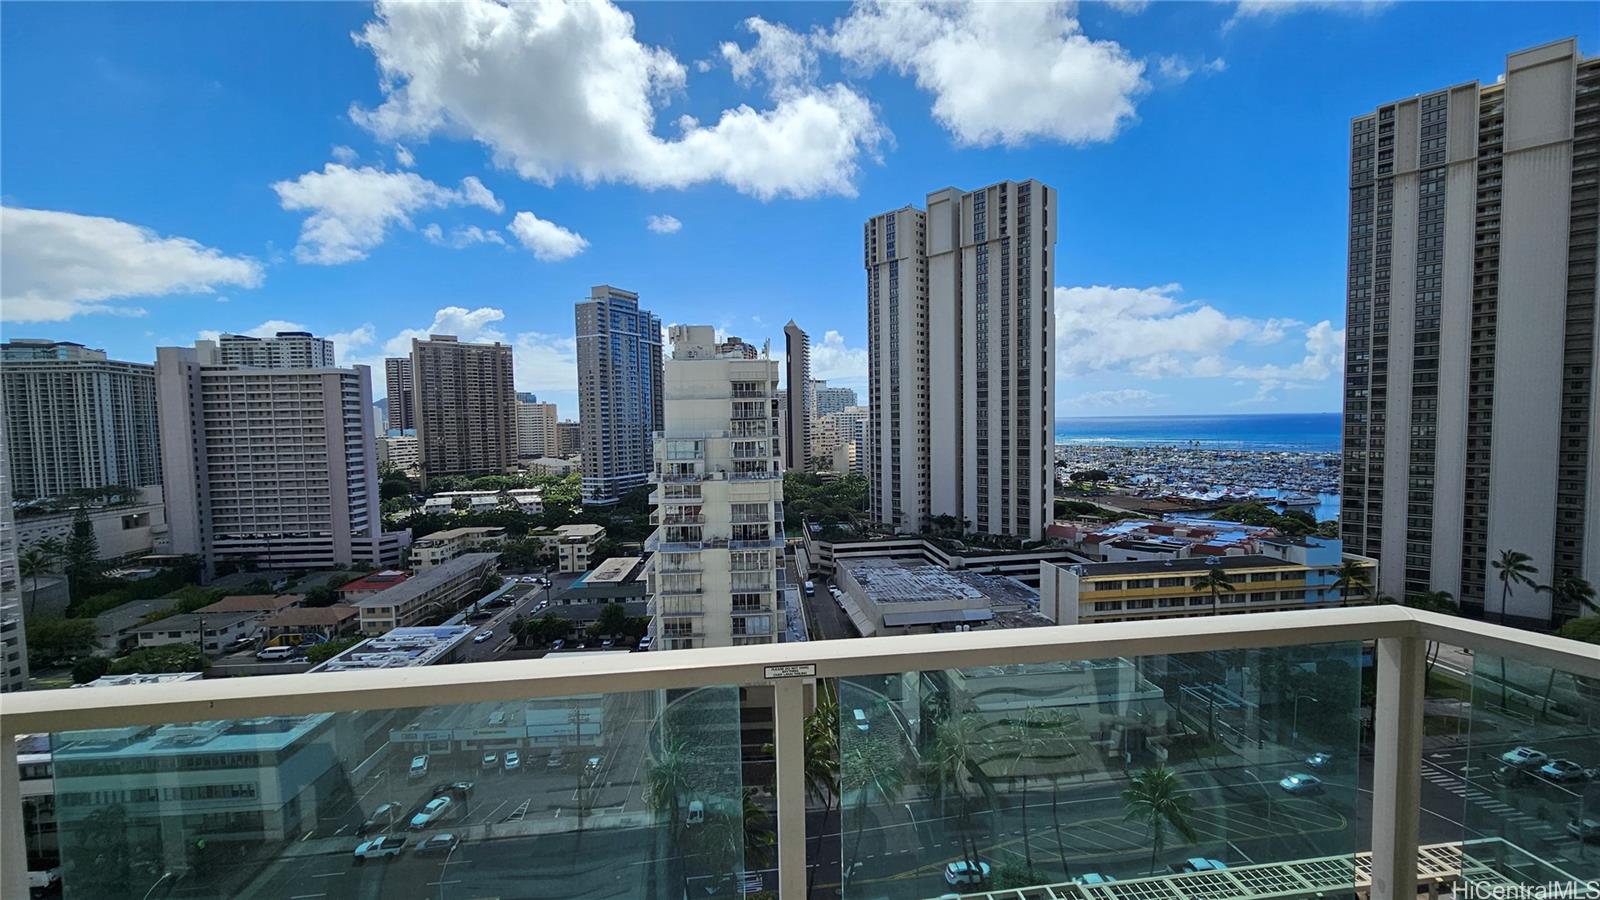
75,419
400,384
619,391
799,406
536,429
284,350
569,438
465,406
13,633
714,577
1470,388
961,337
274,466
831,399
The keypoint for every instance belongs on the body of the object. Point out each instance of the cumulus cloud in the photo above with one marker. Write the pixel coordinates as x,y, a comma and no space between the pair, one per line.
1272,9
343,154
663,224
831,360
1179,69
999,73
783,57
351,210
1323,358
404,156
56,265
1150,332
548,241
465,69
1128,7
546,363
472,326
1117,398
465,236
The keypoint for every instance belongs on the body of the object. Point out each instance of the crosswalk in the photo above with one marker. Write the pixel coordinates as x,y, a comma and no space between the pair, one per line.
1534,832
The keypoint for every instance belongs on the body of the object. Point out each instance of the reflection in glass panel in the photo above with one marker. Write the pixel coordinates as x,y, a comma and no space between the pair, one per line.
1195,766
595,795
1526,777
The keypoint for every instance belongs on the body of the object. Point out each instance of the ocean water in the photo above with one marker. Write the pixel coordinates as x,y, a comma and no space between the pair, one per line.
1270,431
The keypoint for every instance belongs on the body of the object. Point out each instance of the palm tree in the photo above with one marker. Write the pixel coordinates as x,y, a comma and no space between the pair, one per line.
1028,744
1512,568
822,763
759,838
1155,798
1053,727
1435,602
1215,582
1567,588
668,779
956,756
1353,578
32,563
867,765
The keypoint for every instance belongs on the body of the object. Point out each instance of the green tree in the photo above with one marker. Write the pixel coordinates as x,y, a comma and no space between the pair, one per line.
1029,743
760,838
1353,579
549,628
952,768
88,668
1512,568
1054,727
52,641
1216,583
612,621
31,563
80,555
320,653
1568,589
869,765
1155,798
162,659
822,762
668,779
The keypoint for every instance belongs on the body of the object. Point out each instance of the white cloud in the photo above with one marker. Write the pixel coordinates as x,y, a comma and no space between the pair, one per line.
1122,397
404,157
1000,73
1324,357
343,154
546,363
1128,7
565,89
352,209
831,360
702,66
463,237
1150,332
548,241
783,57
56,265
470,325
663,224
349,347
1178,68
1272,9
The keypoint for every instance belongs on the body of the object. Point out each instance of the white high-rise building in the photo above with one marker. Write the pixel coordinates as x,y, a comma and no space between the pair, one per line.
842,440
799,403
75,419
1471,402
284,350
536,429
13,632
277,466
718,548
831,399
961,337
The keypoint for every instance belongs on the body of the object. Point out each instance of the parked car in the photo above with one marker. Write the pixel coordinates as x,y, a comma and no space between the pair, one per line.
1511,776
810,588
385,846
1320,760
242,642
1525,758
439,844
558,644
1094,878
1565,771
1200,864
491,760
483,635
557,759
272,654
1300,784
513,761
1585,829
419,767
381,819
430,813
861,721
963,871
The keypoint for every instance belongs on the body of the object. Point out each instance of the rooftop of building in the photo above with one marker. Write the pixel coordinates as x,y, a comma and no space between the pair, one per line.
141,678
400,648
453,534
420,584
313,617
569,532
133,612
194,621
253,603
1174,566
242,736
376,581
615,570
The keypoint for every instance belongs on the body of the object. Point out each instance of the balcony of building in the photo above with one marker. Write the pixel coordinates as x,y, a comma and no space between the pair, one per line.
1305,754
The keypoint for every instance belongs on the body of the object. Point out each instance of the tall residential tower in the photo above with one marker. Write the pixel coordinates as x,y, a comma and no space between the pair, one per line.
1470,388
619,391
799,407
400,384
961,338
465,406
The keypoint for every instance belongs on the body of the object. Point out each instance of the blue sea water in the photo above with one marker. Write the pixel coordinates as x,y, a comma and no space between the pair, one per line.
1268,431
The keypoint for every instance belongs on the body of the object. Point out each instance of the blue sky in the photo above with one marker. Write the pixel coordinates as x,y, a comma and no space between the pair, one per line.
175,169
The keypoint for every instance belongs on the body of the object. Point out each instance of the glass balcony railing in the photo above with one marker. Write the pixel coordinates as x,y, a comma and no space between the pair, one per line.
1310,754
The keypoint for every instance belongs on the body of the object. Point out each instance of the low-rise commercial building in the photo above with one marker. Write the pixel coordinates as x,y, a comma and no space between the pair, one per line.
400,648
370,584
442,546
575,545
439,590
620,579
885,597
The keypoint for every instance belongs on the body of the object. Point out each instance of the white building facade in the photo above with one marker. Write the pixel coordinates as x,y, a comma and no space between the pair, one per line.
536,429
717,568
284,350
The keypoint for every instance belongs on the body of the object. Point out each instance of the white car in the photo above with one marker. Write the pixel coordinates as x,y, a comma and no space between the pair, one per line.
964,872
419,766
430,813
513,761
490,760
1525,757
482,636
1300,784
381,847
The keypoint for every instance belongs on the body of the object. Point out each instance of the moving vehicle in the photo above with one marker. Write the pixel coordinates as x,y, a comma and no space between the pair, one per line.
559,643
386,846
697,813
482,636
241,642
1319,760
591,767
1200,864
269,654
381,818
439,844
1525,758
810,588
1301,784
861,721
1585,829
1565,771
490,760
513,761
430,813
965,872
1094,878
419,767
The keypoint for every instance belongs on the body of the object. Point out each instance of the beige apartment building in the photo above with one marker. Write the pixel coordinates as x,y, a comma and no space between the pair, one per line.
799,406
536,429
465,406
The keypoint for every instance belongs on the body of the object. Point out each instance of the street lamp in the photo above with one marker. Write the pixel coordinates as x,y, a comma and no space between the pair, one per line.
445,867
1294,727
915,836
164,877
